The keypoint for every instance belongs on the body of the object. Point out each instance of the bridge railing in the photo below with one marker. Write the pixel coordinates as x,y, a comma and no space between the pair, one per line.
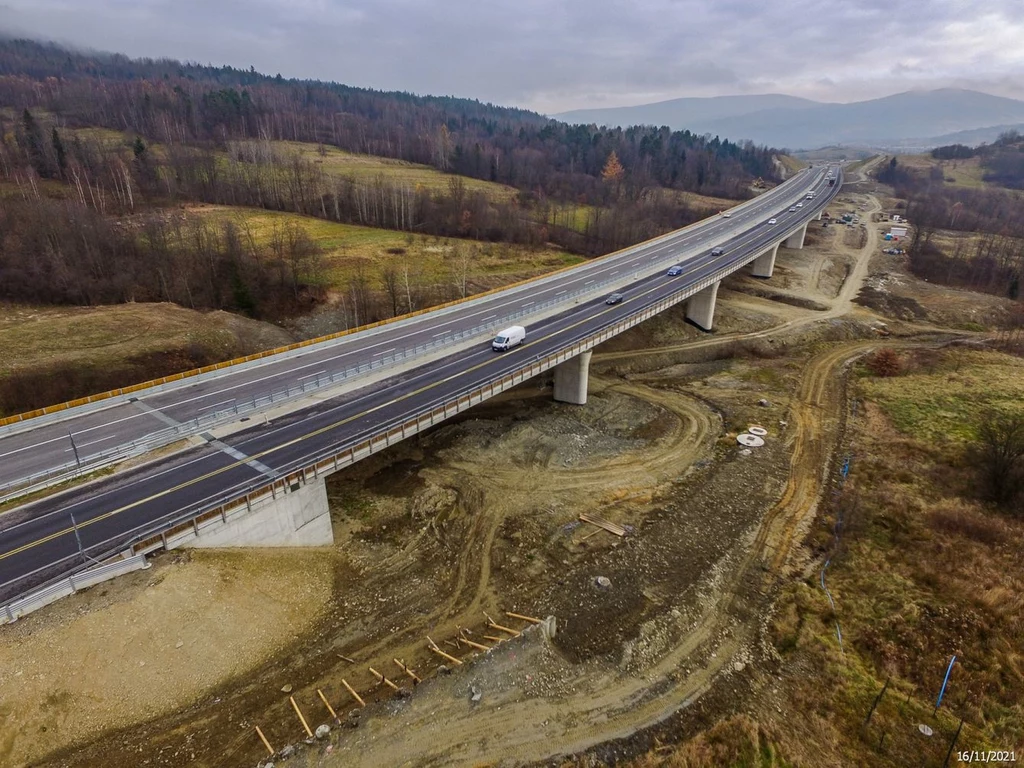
92,463
242,496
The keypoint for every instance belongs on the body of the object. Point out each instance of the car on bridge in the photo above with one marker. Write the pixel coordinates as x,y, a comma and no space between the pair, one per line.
792,209
512,336
615,298
799,205
773,221
674,270
718,250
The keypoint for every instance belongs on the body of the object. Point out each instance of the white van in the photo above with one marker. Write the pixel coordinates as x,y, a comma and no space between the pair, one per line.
510,337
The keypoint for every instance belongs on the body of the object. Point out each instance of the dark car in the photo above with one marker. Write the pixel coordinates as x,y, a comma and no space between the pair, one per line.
718,251
615,298
675,270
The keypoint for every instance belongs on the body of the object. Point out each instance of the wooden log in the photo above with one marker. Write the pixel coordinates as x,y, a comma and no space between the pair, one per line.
351,690
327,703
383,679
493,639
415,678
301,718
524,618
263,738
470,643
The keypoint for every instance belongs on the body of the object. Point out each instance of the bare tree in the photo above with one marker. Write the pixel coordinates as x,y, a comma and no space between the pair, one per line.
389,277
999,454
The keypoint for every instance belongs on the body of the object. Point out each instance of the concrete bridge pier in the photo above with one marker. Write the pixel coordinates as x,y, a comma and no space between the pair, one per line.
764,265
297,517
700,308
796,240
571,379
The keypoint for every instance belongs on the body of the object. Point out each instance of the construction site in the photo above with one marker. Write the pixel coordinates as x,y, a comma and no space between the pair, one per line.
530,583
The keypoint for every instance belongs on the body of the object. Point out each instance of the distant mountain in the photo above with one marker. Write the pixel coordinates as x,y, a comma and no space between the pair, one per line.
922,118
685,113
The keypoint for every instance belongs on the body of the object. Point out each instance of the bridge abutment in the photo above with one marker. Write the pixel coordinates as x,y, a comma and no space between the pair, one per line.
571,378
764,265
295,518
700,308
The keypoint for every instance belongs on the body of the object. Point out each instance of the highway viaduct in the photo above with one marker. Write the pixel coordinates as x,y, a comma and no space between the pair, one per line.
264,485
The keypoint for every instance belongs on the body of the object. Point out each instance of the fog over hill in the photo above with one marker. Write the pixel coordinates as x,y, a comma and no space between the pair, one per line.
922,118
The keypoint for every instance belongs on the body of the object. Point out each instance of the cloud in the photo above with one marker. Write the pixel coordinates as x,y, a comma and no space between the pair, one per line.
554,56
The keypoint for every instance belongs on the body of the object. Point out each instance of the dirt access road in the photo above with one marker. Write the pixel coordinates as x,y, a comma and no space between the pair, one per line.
561,707
481,515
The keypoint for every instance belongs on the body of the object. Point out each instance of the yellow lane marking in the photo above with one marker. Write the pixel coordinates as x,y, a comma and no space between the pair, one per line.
316,432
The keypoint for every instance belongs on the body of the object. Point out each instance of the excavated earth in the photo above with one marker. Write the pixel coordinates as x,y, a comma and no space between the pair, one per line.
443,535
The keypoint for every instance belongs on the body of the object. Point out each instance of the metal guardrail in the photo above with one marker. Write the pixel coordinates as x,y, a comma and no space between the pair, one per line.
106,399
69,585
160,438
300,470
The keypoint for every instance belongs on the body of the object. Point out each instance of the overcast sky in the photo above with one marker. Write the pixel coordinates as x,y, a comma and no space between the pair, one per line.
555,55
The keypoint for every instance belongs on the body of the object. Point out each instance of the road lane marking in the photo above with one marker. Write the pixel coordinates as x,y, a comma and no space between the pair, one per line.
748,236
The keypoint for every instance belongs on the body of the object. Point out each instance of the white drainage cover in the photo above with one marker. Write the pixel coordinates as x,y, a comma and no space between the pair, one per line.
759,431
751,441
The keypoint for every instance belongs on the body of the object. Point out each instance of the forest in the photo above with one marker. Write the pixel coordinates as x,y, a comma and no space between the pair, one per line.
90,221
989,254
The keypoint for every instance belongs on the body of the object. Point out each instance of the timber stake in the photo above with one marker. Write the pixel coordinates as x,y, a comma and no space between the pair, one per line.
327,703
351,690
524,618
433,646
263,738
494,625
383,679
415,678
301,718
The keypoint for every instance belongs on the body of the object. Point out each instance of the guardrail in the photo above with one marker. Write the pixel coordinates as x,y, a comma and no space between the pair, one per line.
232,499
69,585
94,462
103,399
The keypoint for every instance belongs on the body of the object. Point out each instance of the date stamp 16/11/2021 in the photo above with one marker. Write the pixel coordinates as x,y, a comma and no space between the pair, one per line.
987,756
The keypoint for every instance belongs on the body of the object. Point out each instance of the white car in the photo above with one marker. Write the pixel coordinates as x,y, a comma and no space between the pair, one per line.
771,221
792,209
726,215
799,205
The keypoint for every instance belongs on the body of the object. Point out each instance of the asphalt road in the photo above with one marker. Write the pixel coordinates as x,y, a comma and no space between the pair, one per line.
49,445
105,512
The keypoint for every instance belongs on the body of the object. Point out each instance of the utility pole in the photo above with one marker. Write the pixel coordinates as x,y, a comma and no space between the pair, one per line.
78,539
74,447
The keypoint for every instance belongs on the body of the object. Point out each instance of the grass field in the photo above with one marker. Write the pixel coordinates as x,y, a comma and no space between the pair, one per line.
368,167
964,173
38,337
940,401
350,249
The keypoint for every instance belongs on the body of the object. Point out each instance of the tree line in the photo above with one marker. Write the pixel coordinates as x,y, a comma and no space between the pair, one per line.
174,103
992,261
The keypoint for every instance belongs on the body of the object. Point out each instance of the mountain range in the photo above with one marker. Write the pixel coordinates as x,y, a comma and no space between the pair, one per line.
907,121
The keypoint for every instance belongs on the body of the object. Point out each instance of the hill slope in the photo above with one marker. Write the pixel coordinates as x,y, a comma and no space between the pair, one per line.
685,113
914,116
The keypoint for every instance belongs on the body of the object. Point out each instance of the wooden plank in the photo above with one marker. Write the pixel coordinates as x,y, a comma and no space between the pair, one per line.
600,522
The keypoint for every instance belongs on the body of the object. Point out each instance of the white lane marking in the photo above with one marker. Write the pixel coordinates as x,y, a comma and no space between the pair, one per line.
384,352
676,242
